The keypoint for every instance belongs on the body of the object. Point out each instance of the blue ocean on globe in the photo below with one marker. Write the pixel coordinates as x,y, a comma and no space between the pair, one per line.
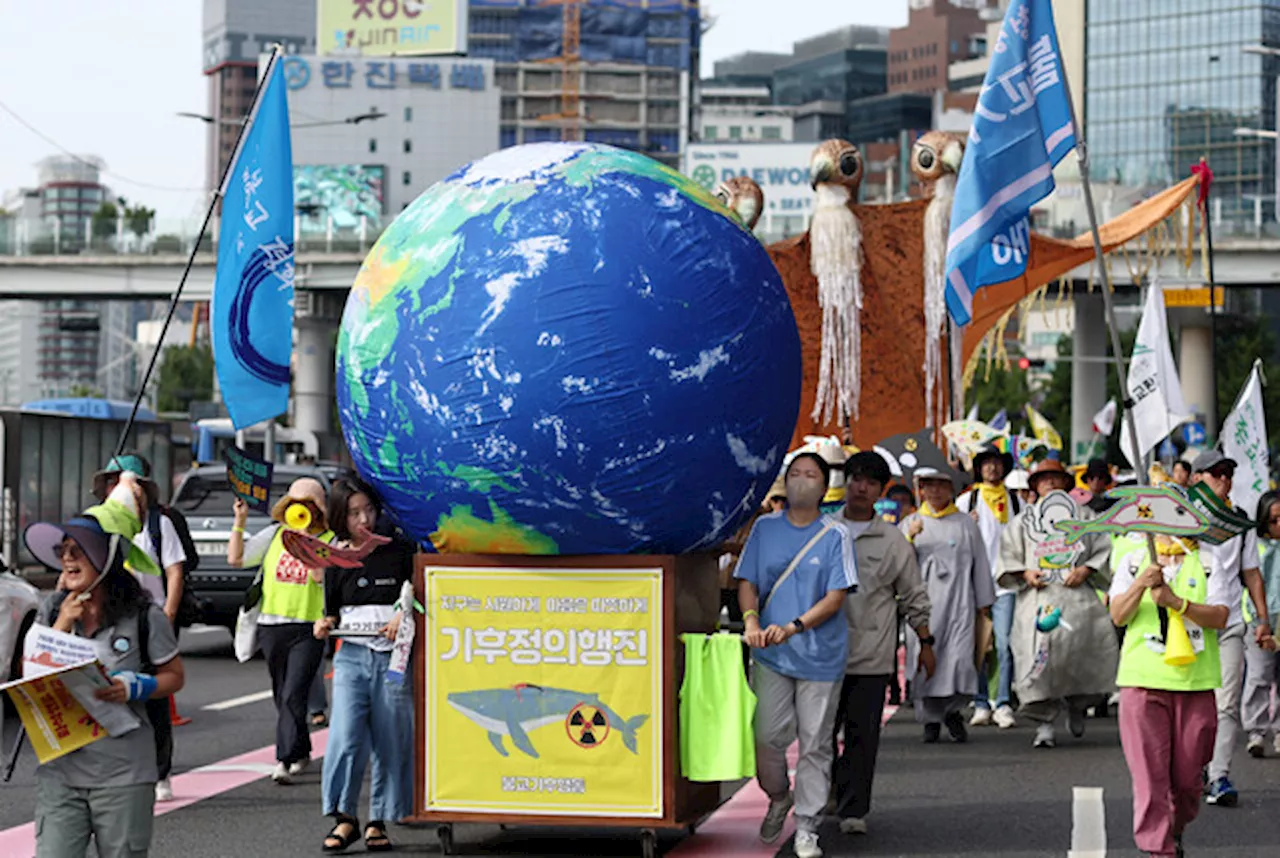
568,349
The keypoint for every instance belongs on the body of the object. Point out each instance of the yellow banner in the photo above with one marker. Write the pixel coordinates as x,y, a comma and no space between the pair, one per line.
544,691
383,28
56,722
1194,297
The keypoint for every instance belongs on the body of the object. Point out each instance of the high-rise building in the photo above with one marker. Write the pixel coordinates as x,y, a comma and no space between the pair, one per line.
938,33
1168,83
827,74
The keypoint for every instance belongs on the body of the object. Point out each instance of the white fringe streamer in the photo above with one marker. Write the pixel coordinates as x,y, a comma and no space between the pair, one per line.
937,224
836,260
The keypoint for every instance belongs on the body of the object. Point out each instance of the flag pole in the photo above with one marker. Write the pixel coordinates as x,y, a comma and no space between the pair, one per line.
1213,311
217,195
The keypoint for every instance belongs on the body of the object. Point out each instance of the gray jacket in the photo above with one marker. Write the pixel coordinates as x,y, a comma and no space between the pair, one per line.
888,580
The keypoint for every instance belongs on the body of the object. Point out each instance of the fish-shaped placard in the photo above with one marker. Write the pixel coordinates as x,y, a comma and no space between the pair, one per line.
315,553
1142,509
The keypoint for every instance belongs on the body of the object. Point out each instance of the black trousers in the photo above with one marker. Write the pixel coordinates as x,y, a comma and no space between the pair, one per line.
293,656
162,727
859,713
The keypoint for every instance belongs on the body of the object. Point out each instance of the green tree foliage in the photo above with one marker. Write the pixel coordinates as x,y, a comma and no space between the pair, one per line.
186,375
104,220
1240,340
1002,388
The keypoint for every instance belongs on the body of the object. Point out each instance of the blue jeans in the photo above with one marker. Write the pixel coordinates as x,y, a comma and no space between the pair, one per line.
1002,620
369,714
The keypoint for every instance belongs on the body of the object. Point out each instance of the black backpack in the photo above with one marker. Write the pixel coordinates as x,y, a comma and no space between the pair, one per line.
189,611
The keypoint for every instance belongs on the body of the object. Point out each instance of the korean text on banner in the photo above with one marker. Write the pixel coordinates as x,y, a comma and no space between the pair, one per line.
252,306
544,691
45,650
1244,438
53,710
1022,127
250,478
386,27
1153,381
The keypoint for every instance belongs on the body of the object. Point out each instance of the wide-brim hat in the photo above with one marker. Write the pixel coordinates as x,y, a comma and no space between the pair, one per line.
1043,468
43,539
991,452
302,489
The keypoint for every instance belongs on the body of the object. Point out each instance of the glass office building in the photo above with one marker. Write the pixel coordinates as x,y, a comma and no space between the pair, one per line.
1168,82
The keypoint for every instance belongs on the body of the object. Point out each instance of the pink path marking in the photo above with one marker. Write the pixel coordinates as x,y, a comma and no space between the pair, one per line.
188,788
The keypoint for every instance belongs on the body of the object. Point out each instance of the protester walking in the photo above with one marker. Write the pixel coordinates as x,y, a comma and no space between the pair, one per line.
1068,664
292,601
793,575
888,580
1167,710
992,506
372,712
1236,563
1262,666
953,563
105,791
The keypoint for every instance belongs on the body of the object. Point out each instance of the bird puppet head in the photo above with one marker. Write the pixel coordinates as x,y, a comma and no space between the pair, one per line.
742,196
936,154
836,162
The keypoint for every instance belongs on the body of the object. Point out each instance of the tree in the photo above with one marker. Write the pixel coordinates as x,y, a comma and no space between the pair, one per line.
186,375
1003,388
1242,339
104,220
138,219
80,389
1057,393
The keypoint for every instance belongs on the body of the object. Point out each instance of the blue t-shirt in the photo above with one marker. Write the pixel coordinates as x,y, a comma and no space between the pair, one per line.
816,653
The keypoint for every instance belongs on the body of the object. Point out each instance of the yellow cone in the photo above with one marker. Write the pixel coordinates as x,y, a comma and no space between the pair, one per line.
1177,643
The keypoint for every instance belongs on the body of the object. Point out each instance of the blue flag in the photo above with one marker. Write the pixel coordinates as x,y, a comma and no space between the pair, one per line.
251,315
1021,128
1000,422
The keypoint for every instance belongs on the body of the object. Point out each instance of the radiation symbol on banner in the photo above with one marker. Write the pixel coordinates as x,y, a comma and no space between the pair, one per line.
586,725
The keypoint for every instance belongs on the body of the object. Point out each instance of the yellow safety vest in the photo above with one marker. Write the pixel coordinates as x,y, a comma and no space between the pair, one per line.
287,587
1142,662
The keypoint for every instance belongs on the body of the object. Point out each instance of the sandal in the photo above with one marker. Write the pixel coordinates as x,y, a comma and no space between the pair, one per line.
319,719
375,837
335,840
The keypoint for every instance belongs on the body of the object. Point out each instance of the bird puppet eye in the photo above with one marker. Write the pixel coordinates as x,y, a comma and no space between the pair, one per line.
722,195
849,164
925,158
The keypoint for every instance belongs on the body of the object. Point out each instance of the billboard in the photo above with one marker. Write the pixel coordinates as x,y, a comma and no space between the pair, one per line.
384,28
780,169
343,192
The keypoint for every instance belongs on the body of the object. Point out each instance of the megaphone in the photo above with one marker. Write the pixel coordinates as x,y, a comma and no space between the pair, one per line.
298,517
1177,643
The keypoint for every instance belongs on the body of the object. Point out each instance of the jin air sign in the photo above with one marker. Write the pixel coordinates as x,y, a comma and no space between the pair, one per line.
391,27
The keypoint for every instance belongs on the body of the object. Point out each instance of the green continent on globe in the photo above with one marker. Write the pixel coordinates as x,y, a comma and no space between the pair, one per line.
504,535
477,479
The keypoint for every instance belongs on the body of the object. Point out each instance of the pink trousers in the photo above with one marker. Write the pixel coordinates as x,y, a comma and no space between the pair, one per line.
1168,740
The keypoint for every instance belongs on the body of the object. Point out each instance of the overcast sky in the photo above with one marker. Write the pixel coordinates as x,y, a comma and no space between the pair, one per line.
106,78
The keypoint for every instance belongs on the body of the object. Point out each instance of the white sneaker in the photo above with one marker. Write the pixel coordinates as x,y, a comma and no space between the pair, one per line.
981,717
1257,746
1044,737
1275,743
775,818
281,774
164,790
300,766
1003,716
807,845
853,825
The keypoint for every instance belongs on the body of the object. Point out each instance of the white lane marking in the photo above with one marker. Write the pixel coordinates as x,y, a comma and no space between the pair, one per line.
238,701
255,768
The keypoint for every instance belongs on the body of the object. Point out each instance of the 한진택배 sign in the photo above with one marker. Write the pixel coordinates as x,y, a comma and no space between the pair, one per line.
543,691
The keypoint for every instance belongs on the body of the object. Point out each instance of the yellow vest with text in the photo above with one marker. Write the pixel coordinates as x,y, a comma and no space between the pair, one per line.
288,589
1143,667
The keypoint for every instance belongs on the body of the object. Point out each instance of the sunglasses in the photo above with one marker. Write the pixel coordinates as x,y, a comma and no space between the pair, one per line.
69,550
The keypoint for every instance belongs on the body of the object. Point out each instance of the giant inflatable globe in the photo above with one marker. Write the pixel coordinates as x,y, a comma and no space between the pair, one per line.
568,349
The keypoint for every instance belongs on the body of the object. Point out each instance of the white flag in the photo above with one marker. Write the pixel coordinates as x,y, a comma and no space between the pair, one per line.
1105,420
973,413
1153,381
1244,438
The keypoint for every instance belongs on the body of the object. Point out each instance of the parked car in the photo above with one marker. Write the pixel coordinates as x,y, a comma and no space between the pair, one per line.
205,498
18,603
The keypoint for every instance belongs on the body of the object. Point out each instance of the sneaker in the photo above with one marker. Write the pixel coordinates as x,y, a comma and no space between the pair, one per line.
1003,716
955,726
1044,737
1222,794
931,733
981,716
1257,746
1075,722
281,774
164,790
1275,743
775,818
300,766
806,845
854,825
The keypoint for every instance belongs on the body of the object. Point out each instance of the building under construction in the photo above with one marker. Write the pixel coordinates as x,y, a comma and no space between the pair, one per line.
607,71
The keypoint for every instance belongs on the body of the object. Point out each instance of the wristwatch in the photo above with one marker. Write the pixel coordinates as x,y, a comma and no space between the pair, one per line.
928,641
799,624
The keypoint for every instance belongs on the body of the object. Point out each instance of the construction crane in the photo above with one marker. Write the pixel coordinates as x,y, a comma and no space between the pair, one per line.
570,62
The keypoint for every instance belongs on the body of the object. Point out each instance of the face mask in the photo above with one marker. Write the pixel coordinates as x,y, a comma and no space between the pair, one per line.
804,492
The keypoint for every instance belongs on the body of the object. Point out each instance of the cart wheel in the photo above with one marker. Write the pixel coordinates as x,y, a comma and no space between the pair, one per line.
445,835
648,843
